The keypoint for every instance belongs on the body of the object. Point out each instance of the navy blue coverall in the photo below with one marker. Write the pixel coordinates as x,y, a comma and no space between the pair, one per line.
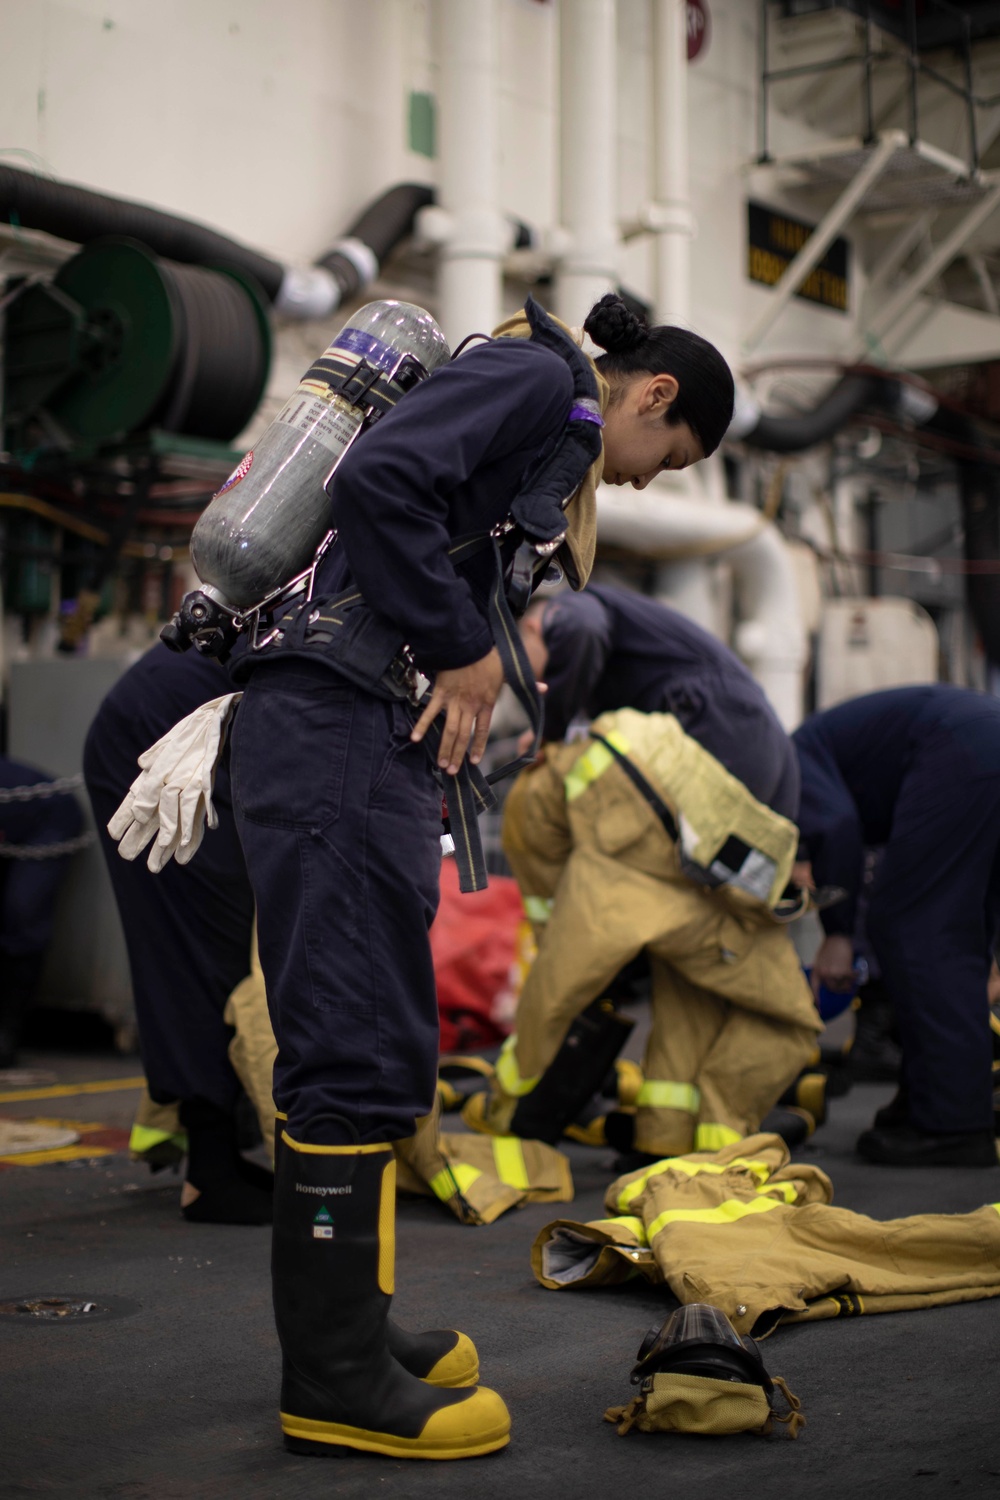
188,929
612,648
917,769
339,813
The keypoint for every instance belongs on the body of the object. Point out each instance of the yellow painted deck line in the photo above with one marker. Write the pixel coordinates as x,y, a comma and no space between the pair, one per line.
59,1153
67,1090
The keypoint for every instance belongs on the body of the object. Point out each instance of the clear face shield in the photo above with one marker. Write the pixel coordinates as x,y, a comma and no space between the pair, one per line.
700,1340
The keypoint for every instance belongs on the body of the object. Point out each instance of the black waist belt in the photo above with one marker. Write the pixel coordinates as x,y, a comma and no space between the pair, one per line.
369,651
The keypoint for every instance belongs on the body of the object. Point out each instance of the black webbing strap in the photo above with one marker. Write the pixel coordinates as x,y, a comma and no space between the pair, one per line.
468,794
360,383
640,783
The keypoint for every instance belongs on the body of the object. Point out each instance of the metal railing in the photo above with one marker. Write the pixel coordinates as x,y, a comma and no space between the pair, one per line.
916,38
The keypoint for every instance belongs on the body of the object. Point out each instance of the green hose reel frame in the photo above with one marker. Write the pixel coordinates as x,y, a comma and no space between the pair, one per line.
91,357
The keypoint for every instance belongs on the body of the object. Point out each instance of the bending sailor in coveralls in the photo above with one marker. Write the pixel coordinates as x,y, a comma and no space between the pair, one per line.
916,770
339,810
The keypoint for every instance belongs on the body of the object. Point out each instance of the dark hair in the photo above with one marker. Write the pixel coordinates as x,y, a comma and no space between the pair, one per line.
705,398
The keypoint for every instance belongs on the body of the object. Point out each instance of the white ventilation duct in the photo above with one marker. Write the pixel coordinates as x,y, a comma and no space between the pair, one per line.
685,532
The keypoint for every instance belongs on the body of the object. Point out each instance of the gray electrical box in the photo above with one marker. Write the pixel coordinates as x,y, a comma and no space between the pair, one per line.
51,704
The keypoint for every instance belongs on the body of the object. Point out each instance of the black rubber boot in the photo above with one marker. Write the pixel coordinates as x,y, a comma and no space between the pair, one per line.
875,1056
230,1189
903,1146
794,1125
332,1269
574,1075
441,1356
895,1114
808,1092
19,976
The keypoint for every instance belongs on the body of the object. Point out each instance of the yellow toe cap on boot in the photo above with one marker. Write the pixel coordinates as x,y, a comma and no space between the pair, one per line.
463,1429
459,1367
479,1425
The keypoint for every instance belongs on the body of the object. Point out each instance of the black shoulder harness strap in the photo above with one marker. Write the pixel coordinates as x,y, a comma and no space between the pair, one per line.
641,785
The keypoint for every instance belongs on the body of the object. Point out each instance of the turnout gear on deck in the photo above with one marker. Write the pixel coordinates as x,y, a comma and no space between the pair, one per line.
333,1277
916,769
759,1237
478,1177
612,648
603,880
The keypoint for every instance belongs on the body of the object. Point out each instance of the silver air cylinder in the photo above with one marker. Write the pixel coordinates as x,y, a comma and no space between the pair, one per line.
263,527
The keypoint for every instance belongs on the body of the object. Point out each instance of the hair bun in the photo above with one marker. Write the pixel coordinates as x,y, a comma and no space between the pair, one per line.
613,327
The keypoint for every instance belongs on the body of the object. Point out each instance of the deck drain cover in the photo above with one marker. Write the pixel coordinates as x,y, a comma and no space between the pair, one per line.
66,1309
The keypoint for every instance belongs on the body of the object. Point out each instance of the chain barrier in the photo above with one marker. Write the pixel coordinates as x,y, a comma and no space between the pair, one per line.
40,789
47,851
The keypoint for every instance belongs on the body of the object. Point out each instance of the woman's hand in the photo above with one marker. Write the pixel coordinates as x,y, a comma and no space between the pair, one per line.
833,965
467,696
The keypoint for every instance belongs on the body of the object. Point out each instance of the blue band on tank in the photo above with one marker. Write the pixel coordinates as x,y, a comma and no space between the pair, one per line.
373,350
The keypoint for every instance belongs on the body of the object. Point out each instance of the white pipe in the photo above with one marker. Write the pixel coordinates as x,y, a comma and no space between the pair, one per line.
471,258
770,636
688,587
672,187
588,54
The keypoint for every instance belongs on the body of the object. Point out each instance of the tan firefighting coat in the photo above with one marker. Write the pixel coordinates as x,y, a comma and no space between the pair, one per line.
733,1018
759,1237
476,1177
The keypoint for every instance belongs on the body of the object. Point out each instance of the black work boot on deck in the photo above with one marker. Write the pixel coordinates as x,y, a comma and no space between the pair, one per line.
332,1264
904,1146
19,976
229,1189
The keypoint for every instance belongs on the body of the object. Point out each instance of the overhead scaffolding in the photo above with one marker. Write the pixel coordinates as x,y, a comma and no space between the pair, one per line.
883,170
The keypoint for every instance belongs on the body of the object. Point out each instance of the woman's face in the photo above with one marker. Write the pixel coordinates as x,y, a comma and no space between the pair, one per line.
638,441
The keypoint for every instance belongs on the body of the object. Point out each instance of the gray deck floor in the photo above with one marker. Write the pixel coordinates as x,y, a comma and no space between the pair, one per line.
178,1398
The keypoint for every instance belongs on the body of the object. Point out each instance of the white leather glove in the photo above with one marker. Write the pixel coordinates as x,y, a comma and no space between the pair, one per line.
171,801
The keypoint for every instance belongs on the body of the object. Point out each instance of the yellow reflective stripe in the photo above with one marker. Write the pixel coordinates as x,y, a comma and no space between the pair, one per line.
726,1213
593,763
714,1137
758,1169
995,1207
457,1178
508,1076
662,1093
387,1229
144,1138
509,1158
636,1226
303,1146
538,908
786,1190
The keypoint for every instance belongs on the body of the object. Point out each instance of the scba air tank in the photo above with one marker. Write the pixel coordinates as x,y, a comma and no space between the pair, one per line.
263,527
